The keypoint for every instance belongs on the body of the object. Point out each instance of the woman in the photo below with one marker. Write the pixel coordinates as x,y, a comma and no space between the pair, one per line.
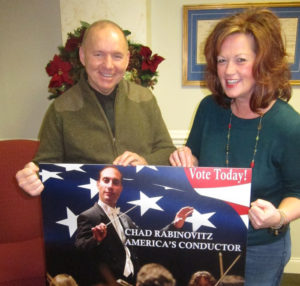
247,122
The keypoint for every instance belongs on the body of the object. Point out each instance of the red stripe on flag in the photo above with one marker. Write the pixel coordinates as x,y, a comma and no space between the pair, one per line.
241,210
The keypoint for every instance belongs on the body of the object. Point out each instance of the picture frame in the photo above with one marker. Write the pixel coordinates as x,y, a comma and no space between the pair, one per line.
206,16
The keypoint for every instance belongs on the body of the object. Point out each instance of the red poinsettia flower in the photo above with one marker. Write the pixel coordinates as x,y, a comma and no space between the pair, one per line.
59,70
72,44
150,62
58,80
145,52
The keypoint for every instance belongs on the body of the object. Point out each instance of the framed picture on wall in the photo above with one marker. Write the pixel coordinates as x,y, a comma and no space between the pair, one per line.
199,20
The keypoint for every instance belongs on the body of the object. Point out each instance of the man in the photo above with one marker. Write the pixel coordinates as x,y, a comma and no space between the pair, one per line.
100,232
103,118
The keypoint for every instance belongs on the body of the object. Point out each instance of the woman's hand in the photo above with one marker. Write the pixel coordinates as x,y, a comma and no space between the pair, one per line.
183,157
263,214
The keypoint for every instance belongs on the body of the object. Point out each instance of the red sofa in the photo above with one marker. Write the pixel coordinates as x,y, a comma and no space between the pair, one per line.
22,258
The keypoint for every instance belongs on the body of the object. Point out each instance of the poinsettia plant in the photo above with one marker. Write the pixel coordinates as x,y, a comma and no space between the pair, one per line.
65,67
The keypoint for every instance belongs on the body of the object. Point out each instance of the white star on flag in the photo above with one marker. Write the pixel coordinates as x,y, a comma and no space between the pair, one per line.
92,186
198,220
45,175
70,221
147,203
245,219
139,168
71,167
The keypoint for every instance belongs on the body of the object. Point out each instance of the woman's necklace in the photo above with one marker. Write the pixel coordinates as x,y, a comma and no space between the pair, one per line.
259,126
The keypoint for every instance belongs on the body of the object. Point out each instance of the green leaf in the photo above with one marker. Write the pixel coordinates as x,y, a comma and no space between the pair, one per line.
84,24
126,33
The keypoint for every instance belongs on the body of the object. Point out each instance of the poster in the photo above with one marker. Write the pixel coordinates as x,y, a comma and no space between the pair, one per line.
213,238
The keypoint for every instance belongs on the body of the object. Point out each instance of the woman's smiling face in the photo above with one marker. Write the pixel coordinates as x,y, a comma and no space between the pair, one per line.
235,66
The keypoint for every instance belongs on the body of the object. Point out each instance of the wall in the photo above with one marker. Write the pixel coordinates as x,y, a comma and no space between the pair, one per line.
130,15
30,32
294,264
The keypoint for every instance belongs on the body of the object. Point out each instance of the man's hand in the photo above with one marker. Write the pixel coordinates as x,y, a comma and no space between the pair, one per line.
99,232
183,157
181,216
130,158
29,181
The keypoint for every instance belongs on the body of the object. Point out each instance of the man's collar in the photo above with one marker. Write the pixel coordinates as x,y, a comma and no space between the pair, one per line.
111,95
107,208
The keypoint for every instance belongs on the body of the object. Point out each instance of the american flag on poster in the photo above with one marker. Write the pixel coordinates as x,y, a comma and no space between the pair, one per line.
151,196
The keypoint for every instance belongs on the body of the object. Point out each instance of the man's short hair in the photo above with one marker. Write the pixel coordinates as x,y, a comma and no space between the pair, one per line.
110,167
154,274
102,24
